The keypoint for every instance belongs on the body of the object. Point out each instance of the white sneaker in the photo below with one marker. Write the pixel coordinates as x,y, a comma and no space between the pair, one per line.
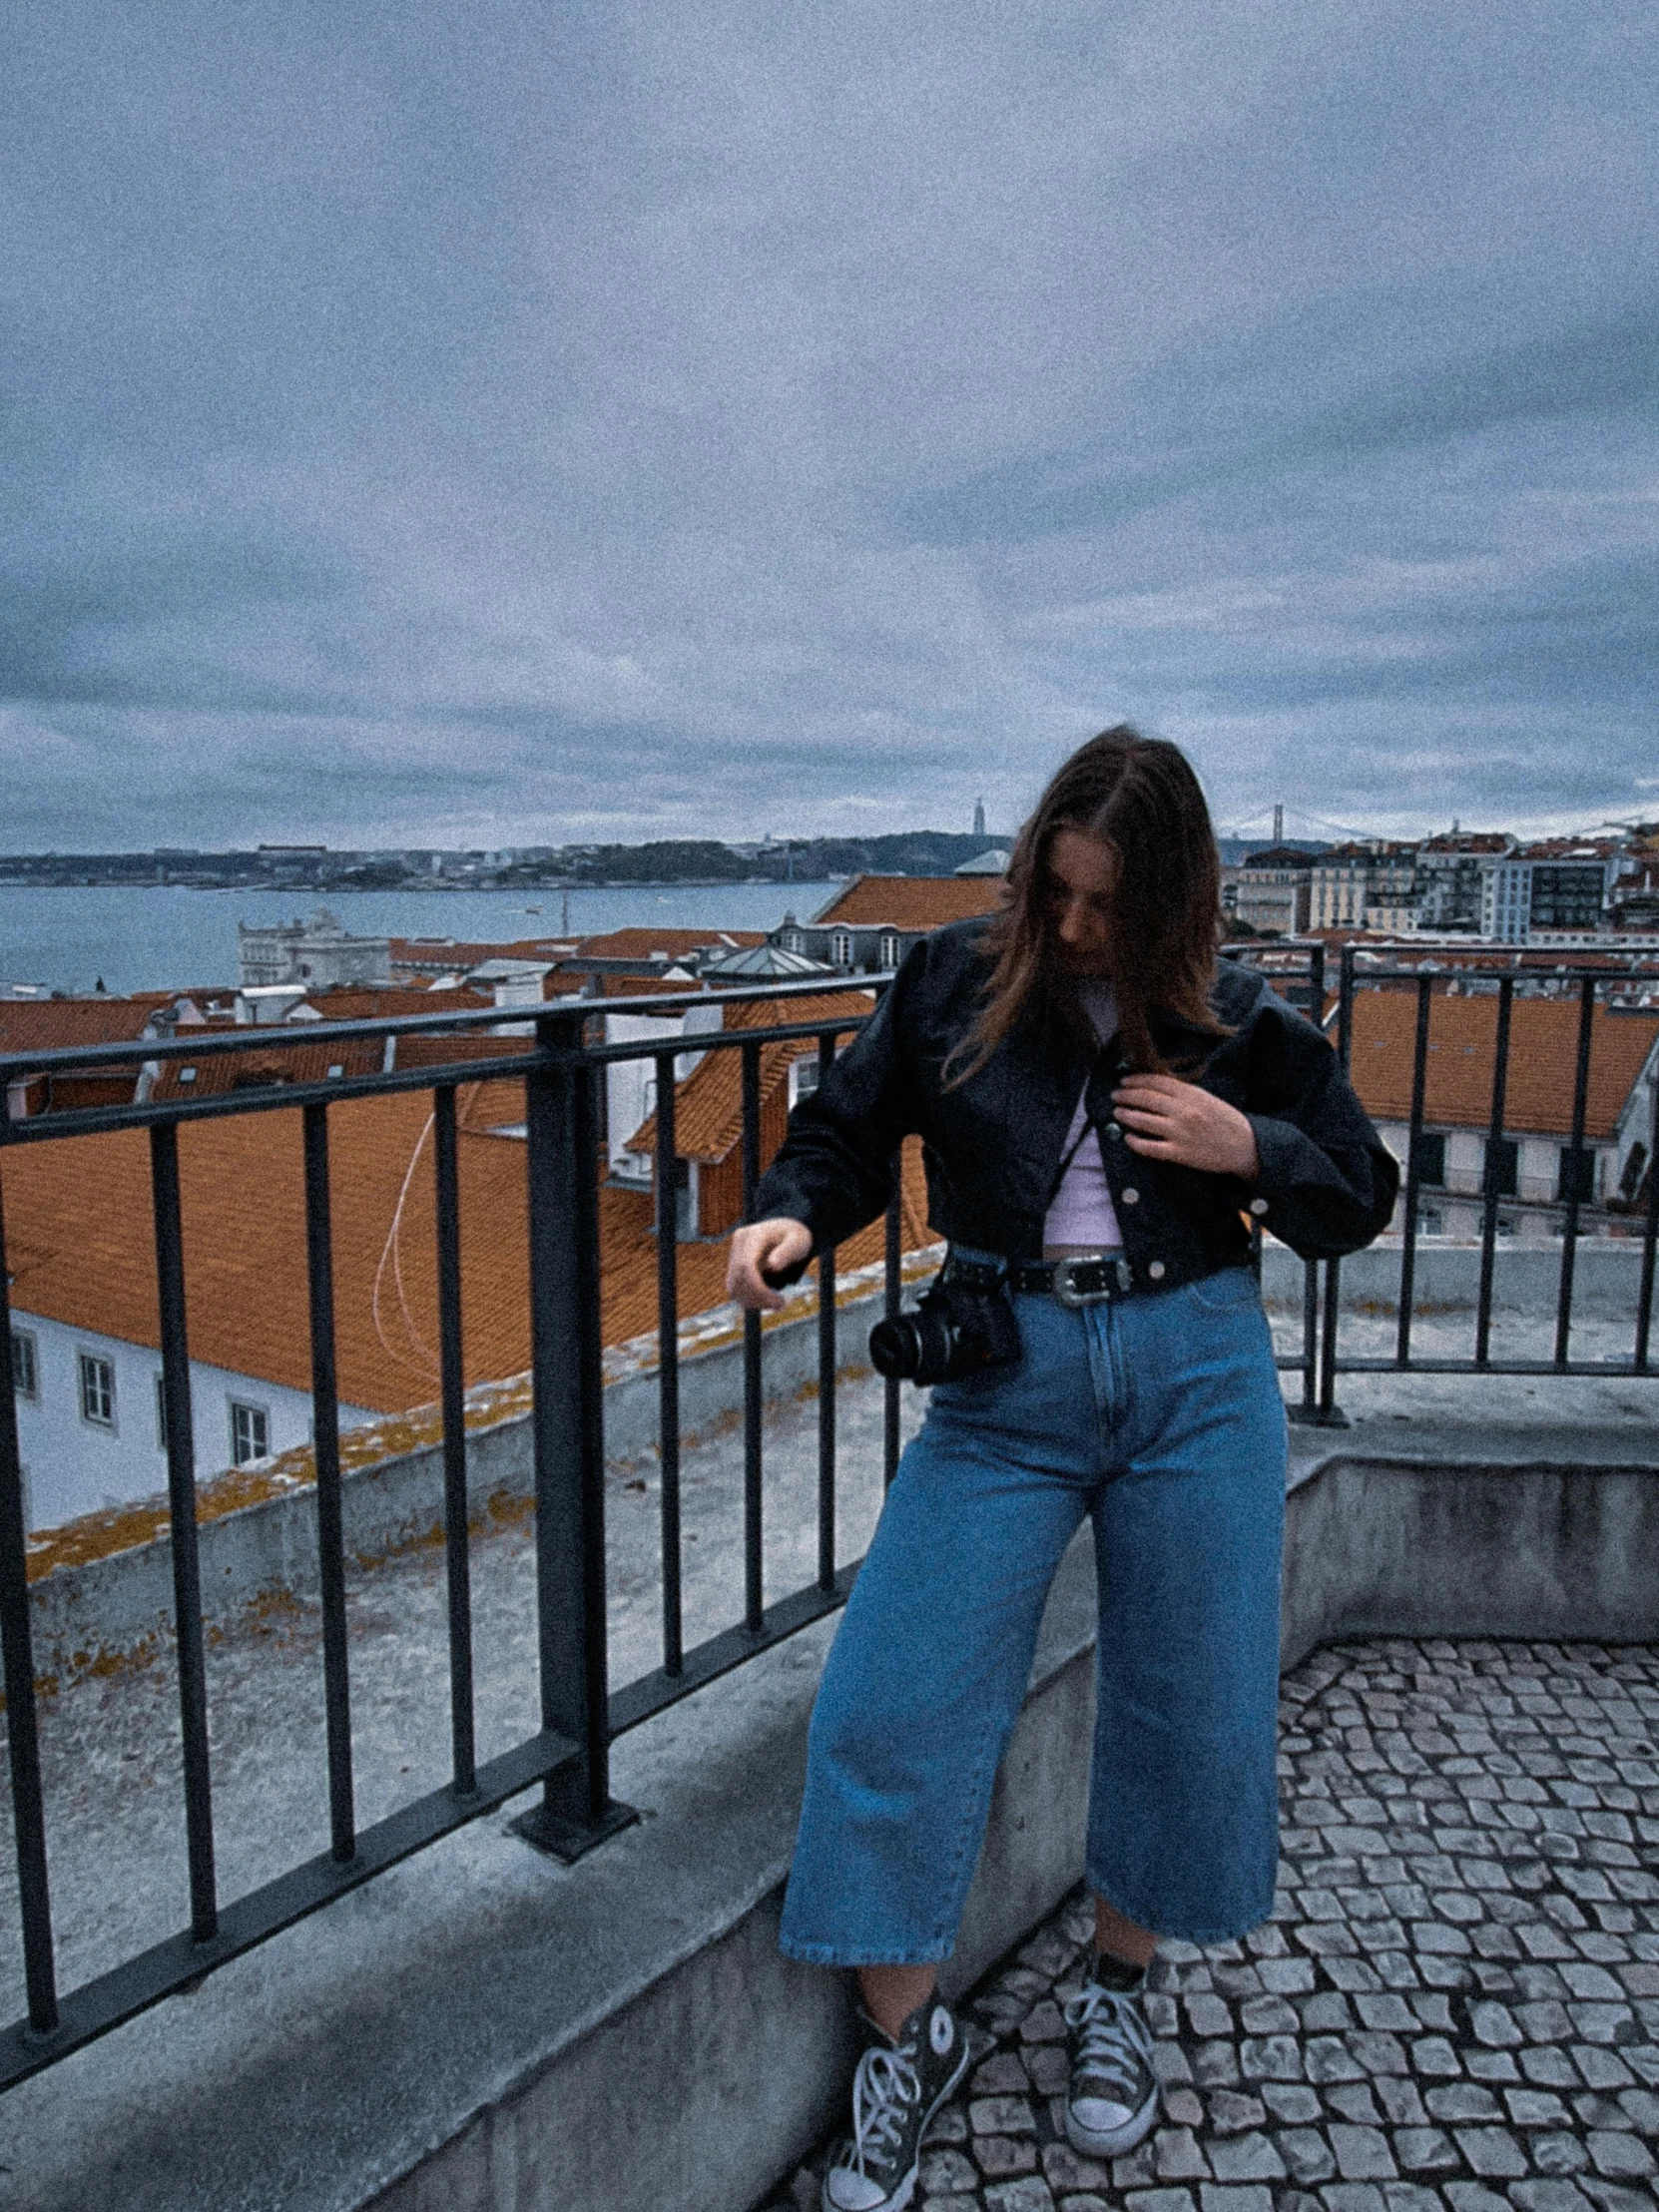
1112,2100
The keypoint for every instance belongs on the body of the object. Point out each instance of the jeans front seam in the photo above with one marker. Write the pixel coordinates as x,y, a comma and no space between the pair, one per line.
970,1834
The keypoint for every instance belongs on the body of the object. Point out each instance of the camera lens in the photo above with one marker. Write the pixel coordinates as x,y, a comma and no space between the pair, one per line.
916,1348
895,1347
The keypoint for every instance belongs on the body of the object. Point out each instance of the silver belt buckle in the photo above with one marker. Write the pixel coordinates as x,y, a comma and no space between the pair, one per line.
1066,1293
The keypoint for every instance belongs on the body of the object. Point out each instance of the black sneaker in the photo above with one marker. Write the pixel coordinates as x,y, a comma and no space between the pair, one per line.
899,2087
1112,2100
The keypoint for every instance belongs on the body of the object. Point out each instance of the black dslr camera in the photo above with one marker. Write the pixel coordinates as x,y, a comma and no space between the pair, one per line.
964,1324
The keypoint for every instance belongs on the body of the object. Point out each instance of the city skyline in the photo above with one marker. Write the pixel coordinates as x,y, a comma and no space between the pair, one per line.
428,431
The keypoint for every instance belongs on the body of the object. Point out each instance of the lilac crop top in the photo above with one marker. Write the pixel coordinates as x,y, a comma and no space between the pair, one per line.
1082,1212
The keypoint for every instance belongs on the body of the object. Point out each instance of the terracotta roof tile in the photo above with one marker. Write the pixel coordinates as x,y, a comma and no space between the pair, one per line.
640,942
80,1246
55,1024
278,1057
913,901
708,1106
441,957
1543,1054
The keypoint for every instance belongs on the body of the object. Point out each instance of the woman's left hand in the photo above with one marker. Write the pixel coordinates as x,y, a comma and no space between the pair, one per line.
1167,1119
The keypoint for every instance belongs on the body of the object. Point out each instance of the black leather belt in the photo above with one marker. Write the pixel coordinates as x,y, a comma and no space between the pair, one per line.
1072,1283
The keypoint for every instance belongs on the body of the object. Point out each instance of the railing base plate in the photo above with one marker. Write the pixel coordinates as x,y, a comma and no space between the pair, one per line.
1317,1416
568,1840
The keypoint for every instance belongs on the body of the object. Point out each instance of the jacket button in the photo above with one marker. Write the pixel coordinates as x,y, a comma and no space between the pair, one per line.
1156,1271
1131,1198
1113,1130
1258,1207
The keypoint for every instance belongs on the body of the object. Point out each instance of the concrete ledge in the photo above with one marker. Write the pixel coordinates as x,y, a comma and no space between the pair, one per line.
112,1599
1606,1276
118,1603
485,2031
1472,1534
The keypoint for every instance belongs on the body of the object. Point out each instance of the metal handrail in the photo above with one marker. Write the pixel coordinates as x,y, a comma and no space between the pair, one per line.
560,1063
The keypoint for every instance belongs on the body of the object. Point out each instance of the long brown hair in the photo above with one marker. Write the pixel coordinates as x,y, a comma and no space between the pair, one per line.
1140,797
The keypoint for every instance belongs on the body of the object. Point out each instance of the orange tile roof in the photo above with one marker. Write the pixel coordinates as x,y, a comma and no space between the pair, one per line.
1543,1056
277,1056
439,956
639,943
913,901
54,1024
708,1105
79,1236
377,1001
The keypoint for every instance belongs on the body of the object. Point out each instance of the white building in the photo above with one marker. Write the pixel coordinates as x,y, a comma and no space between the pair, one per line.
90,1419
1560,889
315,954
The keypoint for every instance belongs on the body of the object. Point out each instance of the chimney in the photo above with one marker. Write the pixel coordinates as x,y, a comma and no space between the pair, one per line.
1278,822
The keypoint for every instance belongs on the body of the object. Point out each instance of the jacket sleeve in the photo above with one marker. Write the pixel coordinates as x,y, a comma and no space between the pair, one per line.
834,1169
1327,1182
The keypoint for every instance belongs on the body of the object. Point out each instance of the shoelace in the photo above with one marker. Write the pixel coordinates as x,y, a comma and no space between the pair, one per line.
884,2090
1113,2032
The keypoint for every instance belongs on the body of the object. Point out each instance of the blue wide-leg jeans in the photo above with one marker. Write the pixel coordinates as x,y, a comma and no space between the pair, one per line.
1161,1417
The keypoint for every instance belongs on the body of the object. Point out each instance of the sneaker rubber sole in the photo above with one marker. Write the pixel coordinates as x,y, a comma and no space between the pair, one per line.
1112,2142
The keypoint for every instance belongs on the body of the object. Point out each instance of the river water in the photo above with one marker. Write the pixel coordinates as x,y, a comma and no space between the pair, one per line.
136,937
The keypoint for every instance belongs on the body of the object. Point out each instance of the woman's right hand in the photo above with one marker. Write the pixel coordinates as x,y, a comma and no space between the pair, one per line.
774,1246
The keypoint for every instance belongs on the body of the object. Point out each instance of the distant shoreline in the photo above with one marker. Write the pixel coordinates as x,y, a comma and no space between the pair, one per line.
432,890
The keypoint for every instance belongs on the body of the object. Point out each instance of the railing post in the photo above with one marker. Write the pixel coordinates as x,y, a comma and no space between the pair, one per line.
753,1557
1413,1173
331,1539
1489,1175
1328,1414
452,1388
180,1496
1575,1156
1650,1237
22,1728
568,1440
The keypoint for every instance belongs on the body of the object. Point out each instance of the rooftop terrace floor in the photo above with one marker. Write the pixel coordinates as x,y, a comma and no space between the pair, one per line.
1455,2007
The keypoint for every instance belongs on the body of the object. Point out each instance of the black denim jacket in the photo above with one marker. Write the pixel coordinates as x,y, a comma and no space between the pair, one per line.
993,1145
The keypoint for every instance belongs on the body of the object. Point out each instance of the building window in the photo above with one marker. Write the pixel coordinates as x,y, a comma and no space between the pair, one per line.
96,1389
803,1075
794,941
25,1371
889,948
840,948
1586,1177
1431,1160
1508,1166
249,1433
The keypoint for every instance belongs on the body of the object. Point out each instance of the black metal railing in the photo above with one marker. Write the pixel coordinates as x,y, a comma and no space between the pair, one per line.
1297,971
580,1714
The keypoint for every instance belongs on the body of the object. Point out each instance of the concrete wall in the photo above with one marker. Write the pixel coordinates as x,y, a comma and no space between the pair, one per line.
87,1614
483,2031
1606,1273
114,1604
74,1466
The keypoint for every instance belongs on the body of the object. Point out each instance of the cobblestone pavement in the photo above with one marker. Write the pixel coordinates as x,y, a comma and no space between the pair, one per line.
1456,2004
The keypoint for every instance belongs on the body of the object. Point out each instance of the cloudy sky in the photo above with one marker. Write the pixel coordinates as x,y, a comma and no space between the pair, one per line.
497,423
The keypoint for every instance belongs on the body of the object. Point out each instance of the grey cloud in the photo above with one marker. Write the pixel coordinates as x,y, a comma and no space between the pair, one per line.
1603,370
674,416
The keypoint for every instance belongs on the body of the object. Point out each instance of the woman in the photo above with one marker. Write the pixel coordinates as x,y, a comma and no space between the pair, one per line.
1103,1108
